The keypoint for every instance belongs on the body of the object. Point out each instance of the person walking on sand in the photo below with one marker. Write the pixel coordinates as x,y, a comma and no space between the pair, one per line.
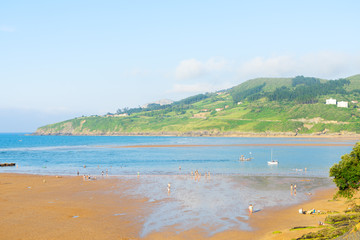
168,188
294,189
291,189
251,209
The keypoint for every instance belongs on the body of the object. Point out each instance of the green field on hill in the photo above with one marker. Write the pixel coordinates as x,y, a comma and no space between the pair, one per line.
263,105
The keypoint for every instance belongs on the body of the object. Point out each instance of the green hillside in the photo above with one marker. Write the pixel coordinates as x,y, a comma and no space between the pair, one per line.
291,106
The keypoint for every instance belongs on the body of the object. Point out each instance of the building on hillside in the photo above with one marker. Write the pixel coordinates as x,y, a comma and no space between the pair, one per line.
122,115
227,106
354,101
331,101
219,109
342,104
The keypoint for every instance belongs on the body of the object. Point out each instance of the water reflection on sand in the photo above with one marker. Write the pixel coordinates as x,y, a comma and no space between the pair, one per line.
218,203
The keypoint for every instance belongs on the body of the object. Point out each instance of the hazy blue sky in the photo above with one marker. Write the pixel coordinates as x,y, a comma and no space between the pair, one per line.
62,59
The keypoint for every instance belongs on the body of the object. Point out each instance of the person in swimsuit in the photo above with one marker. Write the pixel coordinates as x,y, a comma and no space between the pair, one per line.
251,209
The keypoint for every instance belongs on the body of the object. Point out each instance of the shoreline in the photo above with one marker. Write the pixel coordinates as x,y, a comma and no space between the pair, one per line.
78,205
230,145
340,135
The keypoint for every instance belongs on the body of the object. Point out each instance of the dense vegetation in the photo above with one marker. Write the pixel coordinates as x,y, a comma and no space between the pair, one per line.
343,225
304,90
346,173
264,105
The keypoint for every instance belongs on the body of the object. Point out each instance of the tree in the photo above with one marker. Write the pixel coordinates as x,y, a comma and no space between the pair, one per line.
346,173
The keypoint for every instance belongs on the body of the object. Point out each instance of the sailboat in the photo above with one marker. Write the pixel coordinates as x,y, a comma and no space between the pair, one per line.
272,162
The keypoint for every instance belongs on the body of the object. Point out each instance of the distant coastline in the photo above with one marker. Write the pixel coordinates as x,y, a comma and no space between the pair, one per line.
343,135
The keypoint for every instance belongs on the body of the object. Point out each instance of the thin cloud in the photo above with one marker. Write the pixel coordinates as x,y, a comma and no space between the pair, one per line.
321,64
198,88
4,28
217,73
192,68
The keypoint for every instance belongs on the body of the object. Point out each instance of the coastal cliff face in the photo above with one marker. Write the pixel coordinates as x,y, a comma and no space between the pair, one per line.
259,107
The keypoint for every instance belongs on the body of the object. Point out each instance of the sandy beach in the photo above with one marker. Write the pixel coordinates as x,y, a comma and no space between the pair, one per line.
51,207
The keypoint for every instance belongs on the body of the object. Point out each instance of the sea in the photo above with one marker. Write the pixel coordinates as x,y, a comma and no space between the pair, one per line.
68,154
219,200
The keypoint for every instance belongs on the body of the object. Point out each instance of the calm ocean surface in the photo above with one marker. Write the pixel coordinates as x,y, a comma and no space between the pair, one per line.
214,204
68,154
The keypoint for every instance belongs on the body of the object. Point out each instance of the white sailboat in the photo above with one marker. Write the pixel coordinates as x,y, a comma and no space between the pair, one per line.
272,162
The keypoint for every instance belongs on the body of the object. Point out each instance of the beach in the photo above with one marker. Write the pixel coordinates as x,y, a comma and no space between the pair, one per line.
67,207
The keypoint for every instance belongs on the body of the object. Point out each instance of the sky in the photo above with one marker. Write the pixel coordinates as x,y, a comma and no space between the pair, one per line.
65,59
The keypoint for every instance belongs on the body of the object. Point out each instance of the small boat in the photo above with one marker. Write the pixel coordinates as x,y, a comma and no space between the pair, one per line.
272,162
244,159
7,164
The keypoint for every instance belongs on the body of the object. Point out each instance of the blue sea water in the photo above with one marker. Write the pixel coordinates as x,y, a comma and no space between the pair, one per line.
215,203
68,154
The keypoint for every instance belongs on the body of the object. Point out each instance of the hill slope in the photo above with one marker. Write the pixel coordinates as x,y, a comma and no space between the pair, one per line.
267,106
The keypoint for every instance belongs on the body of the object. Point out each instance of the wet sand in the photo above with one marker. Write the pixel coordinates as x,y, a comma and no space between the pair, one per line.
50,207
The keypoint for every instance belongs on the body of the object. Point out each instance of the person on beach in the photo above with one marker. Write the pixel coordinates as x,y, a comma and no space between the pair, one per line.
179,168
291,189
107,172
138,174
78,173
168,188
251,209
294,189
102,173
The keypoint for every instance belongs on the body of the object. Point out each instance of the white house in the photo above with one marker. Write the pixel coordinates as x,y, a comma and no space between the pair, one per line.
342,104
122,115
331,101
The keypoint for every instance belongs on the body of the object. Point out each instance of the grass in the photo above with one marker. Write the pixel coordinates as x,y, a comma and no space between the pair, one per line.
301,228
251,116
